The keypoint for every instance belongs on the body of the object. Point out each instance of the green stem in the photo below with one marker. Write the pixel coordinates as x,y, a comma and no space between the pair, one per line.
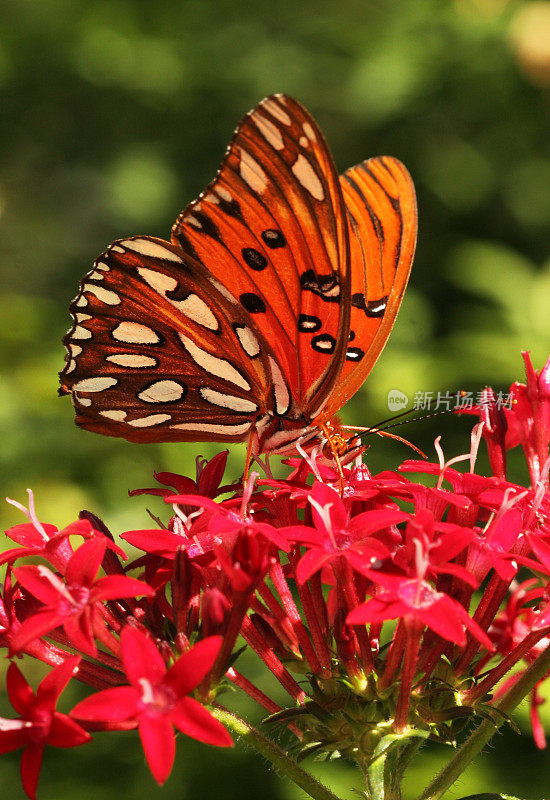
483,733
274,754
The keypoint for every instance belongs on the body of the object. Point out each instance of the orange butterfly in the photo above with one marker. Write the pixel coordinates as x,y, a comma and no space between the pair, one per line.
266,311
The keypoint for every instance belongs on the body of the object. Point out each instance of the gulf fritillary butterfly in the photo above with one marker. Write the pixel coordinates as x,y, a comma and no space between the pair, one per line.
267,309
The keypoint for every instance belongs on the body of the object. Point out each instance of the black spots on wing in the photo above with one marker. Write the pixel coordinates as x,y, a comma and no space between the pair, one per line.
273,238
372,308
323,343
308,323
207,225
254,259
354,354
232,208
186,245
351,336
325,286
252,303
179,293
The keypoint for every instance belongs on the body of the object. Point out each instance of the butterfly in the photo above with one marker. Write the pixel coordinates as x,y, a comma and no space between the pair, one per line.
266,310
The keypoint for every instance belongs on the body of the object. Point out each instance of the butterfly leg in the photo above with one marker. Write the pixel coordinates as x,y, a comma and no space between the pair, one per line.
336,455
249,456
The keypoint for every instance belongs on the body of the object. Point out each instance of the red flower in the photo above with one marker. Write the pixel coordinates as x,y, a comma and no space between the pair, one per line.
209,477
157,699
39,724
71,603
41,539
416,601
335,536
526,422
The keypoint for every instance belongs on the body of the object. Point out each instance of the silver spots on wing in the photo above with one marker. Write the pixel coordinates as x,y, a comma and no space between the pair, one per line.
273,238
323,343
158,281
309,132
195,309
193,221
114,414
192,306
97,384
223,193
269,131
103,295
81,333
165,391
276,111
307,176
147,247
149,421
307,323
132,360
252,173
213,429
325,286
372,308
354,354
280,388
218,367
248,340
228,401
134,333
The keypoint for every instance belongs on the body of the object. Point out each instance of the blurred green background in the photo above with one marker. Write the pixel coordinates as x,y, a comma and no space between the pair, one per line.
115,114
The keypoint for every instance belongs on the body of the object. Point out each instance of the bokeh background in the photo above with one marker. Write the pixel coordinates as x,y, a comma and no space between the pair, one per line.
116,113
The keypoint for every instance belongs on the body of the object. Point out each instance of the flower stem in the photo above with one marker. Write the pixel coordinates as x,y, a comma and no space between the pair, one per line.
273,753
483,733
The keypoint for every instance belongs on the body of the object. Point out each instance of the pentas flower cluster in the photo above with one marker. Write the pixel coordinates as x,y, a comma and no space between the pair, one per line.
389,609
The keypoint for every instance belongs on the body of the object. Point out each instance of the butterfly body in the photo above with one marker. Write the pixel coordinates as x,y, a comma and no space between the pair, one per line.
265,311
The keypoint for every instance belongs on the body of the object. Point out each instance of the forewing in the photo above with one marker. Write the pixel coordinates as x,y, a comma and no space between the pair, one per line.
382,223
272,229
158,352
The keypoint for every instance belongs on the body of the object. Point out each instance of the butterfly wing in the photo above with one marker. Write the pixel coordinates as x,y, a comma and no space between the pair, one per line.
382,222
245,316
271,228
159,353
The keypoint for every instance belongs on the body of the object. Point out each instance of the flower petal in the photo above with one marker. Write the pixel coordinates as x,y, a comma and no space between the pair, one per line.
85,562
140,657
65,732
31,761
159,744
20,694
117,703
55,681
193,719
194,665
111,587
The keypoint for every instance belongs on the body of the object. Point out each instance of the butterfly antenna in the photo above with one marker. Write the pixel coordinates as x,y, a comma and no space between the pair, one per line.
407,421
392,419
380,431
